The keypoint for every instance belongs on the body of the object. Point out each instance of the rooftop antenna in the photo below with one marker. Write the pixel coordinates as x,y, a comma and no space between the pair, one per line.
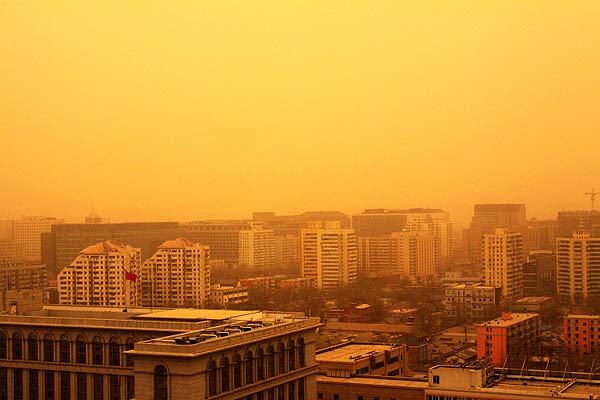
592,195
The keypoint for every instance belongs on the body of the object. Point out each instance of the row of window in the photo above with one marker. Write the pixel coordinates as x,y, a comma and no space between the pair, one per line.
34,349
48,388
229,375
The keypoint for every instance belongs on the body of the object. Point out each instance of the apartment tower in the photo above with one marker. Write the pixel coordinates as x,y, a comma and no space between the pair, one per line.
578,260
502,260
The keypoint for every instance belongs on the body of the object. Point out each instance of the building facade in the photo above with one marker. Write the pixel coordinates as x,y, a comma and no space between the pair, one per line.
508,339
257,247
582,334
177,275
418,254
578,268
103,274
471,302
502,260
27,233
329,255
224,296
539,274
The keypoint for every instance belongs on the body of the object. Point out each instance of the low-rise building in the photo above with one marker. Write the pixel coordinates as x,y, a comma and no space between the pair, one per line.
353,313
471,301
533,304
512,336
582,333
349,359
296,283
223,296
369,387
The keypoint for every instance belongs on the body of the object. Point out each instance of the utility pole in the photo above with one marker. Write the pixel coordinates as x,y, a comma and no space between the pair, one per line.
593,195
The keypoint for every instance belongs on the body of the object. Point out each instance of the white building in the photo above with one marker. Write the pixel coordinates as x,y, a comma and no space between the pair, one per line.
502,260
471,301
177,275
417,254
100,276
257,247
578,262
224,296
27,233
329,255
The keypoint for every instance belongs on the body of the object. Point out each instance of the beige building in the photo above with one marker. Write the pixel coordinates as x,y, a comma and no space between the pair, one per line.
27,233
257,247
350,359
287,250
329,255
502,260
224,296
177,275
68,352
418,252
578,264
471,301
10,252
102,275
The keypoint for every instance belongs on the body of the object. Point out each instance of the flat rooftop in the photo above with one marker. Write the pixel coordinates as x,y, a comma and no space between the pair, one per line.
350,352
533,299
192,314
514,319
582,316
375,381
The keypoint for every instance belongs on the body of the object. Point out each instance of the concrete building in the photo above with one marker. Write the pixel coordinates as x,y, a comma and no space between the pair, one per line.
71,352
539,274
533,304
18,276
103,274
417,254
578,265
488,217
471,302
27,234
539,235
511,336
177,275
257,247
224,296
365,387
295,283
329,255
502,260
582,334
378,256
10,252
570,222
64,243
287,251
350,359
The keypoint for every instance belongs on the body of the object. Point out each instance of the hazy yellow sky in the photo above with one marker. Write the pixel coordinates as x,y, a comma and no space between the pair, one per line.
157,110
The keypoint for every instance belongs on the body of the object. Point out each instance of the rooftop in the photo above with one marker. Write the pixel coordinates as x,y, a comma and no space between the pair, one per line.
375,381
533,299
179,243
193,314
105,247
582,316
348,353
508,319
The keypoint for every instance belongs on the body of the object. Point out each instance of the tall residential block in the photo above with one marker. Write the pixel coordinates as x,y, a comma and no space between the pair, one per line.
578,268
27,233
417,254
103,274
502,260
488,217
10,252
256,247
287,250
65,241
329,255
177,275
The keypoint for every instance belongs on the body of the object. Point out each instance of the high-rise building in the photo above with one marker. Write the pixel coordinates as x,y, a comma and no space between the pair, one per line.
378,256
223,238
417,254
257,247
578,266
539,235
64,243
539,274
488,217
287,251
571,221
27,233
10,252
104,274
502,260
329,255
177,275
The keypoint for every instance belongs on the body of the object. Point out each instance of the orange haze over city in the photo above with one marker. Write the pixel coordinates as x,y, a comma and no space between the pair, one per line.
154,110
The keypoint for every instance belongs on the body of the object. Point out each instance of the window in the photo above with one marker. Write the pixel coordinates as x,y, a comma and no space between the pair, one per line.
249,368
224,364
281,358
65,386
49,385
17,346
301,389
81,386
291,356
98,387
130,387
270,361
64,349
129,346
34,385
48,348
3,383
260,364
336,396
17,384
115,388
97,358
291,391
32,347
301,355
80,350
436,379
3,346
114,352
237,371
212,378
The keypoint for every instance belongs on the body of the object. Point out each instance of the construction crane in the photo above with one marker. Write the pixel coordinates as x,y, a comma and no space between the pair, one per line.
593,195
